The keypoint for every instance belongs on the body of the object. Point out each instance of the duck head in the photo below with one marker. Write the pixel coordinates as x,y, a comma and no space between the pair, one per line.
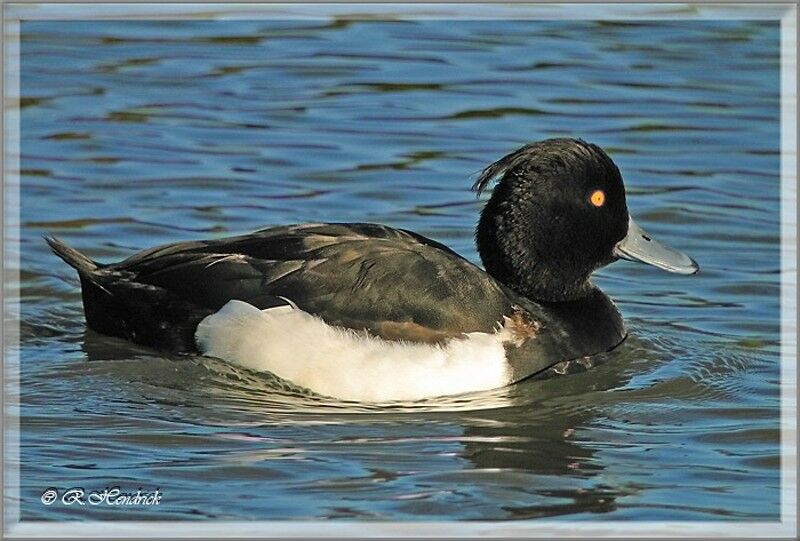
557,214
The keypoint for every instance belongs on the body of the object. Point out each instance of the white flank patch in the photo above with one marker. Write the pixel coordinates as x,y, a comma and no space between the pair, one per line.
346,364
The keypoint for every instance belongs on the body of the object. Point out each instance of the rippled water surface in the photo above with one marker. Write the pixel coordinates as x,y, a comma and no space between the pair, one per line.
136,133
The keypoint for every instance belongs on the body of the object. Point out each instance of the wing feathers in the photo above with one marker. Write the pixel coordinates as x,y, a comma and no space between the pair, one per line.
341,272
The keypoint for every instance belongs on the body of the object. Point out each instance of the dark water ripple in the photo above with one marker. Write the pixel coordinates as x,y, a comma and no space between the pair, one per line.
136,133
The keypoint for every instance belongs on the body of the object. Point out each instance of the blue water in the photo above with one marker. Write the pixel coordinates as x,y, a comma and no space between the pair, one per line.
136,133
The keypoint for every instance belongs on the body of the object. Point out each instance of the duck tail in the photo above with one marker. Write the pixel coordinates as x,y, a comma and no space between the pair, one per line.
71,256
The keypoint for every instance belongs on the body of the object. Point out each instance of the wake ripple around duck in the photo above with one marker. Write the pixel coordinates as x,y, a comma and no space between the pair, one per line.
657,368
654,366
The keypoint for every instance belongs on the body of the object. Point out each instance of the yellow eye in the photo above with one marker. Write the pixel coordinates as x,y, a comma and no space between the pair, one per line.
598,198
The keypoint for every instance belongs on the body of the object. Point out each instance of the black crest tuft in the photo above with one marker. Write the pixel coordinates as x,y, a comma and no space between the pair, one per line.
529,151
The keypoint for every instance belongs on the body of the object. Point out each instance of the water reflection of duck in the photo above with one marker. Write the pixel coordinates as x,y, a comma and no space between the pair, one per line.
557,472
367,312
539,440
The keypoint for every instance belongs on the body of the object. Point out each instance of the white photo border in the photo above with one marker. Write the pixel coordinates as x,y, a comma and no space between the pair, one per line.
15,13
